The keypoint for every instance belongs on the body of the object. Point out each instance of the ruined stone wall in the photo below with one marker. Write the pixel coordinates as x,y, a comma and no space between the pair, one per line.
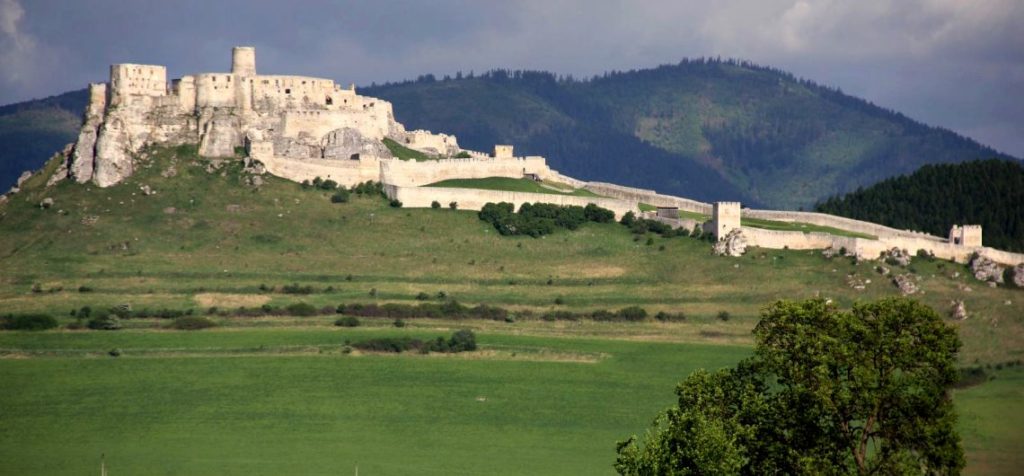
648,196
725,217
215,90
474,199
408,173
136,80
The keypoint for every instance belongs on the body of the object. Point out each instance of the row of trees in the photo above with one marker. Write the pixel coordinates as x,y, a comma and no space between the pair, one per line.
538,219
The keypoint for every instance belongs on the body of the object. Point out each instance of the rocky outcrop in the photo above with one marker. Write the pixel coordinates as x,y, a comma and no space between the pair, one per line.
347,143
1018,275
732,244
958,310
896,257
220,136
115,148
985,269
907,284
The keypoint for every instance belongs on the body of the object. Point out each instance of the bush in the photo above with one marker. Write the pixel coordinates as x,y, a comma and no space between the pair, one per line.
294,288
462,155
192,323
453,205
347,321
301,309
632,313
435,204
462,341
28,322
395,203
104,322
328,184
723,316
422,296
399,323
84,289
341,196
663,316
597,214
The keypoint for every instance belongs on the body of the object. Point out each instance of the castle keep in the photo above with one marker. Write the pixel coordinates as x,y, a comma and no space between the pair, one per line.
301,127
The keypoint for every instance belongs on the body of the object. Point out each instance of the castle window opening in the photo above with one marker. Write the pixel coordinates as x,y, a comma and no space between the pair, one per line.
287,91
329,101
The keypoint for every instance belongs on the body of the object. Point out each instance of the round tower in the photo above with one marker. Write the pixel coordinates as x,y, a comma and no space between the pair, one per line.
243,61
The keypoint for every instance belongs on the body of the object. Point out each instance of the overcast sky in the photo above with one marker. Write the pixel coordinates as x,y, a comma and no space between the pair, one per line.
953,63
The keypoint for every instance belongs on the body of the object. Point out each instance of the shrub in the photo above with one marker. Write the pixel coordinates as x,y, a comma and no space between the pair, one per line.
632,313
597,214
723,316
462,155
435,204
399,323
628,219
328,184
114,352
559,301
462,341
28,322
84,289
422,296
395,203
663,316
104,322
295,288
341,196
301,309
347,321
453,205
602,315
192,323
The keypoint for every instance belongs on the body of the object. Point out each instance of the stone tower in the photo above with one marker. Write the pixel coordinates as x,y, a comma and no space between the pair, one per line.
243,61
965,235
725,218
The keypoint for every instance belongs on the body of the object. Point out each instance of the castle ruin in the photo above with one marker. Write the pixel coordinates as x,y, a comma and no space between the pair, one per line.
301,127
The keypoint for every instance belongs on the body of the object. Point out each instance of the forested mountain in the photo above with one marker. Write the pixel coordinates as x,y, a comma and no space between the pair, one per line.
777,140
985,192
30,132
707,129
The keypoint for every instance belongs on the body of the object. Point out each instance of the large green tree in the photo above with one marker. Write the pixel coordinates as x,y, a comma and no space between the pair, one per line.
826,392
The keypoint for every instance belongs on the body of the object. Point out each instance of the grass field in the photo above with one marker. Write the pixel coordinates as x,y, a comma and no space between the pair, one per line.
513,185
404,153
259,396
804,227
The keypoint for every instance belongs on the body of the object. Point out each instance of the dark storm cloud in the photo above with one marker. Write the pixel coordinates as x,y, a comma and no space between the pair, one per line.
958,64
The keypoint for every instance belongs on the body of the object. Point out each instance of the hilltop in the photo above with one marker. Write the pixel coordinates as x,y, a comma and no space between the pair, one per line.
704,129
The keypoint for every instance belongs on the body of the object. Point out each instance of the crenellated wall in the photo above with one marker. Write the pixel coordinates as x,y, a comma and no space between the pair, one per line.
475,199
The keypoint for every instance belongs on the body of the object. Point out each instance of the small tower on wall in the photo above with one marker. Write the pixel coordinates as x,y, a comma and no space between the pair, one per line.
725,218
503,152
965,235
243,61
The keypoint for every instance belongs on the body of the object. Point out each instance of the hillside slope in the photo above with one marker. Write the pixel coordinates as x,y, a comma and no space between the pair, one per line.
776,140
989,193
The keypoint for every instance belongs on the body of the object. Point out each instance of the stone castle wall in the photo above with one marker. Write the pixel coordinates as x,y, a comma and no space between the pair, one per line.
842,223
408,173
648,196
345,172
474,199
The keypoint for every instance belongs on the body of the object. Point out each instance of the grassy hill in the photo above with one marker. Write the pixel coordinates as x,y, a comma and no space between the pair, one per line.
703,128
989,193
279,392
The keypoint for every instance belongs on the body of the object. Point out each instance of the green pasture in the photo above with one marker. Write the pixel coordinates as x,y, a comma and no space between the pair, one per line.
514,185
800,226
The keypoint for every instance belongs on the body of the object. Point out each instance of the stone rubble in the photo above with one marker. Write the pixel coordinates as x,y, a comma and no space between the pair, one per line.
906,284
733,244
985,269
959,310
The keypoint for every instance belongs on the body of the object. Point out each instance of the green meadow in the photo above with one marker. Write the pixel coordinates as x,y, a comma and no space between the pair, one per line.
280,395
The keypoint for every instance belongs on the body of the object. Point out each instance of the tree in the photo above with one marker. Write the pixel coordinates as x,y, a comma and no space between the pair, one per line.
826,392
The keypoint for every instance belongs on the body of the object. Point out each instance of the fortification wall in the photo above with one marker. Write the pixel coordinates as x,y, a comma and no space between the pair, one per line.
137,79
1000,256
215,90
794,240
345,172
473,199
648,196
843,223
408,173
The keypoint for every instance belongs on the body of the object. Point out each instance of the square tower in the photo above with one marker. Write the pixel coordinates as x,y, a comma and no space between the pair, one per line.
965,235
502,152
725,218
